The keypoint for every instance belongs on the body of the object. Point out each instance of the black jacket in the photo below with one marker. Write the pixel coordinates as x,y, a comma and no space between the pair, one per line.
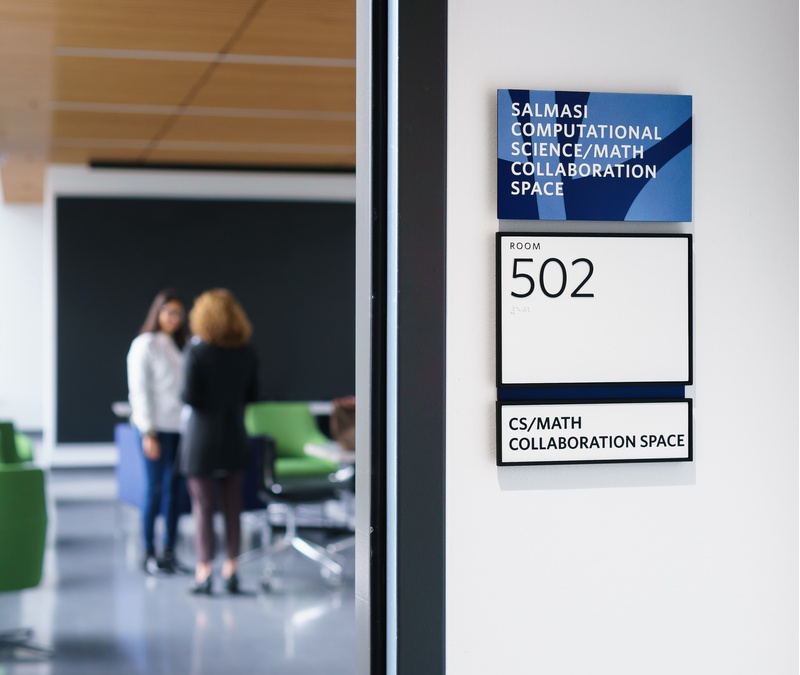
219,383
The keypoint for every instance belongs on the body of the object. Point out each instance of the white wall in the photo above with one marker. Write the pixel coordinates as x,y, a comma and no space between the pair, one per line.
21,314
636,569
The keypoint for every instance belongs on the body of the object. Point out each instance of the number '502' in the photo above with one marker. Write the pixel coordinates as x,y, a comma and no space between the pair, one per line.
555,289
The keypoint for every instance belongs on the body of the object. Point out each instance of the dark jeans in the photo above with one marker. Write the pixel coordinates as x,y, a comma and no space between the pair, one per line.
163,490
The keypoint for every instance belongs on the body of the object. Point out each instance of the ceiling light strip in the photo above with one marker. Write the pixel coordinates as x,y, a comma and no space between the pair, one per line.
200,111
204,57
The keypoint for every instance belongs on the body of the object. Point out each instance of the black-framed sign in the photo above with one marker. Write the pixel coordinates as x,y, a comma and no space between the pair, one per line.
593,309
590,432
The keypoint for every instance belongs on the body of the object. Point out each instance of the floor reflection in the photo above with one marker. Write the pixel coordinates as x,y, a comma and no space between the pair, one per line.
102,615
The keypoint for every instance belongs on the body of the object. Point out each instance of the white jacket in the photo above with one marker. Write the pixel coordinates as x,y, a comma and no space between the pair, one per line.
155,381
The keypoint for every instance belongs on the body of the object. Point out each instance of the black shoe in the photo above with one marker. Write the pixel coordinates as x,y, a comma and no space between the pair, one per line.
169,563
201,587
232,583
165,568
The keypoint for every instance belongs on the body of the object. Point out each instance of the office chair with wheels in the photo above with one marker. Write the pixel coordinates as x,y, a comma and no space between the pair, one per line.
23,526
292,426
291,478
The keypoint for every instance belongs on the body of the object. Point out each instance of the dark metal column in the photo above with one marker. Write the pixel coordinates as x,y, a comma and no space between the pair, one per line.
407,418
421,242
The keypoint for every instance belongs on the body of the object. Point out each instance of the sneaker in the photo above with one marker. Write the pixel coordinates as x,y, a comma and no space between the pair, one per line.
165,567
172,565
151,566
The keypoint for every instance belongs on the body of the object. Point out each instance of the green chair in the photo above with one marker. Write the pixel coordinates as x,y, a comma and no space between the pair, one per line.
290,477
8,444
292,426
23,527
24,447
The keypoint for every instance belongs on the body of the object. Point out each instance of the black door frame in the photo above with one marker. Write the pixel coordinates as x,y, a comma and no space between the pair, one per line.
408,155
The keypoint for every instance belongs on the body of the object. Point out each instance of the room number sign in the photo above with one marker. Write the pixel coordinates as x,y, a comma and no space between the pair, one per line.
582,309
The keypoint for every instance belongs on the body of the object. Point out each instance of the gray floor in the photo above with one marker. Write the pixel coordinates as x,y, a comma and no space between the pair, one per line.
101,615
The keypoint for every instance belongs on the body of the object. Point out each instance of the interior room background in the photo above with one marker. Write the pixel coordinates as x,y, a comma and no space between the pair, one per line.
290,263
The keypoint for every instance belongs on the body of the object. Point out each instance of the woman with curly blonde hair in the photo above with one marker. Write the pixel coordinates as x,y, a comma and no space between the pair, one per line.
221,378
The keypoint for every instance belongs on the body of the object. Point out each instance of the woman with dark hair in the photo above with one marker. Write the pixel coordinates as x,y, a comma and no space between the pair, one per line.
155,380
221,378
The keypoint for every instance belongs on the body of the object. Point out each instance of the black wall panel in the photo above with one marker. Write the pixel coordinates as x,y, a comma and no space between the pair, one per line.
291,264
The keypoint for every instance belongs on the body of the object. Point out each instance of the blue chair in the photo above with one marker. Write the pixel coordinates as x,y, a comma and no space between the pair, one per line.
131,478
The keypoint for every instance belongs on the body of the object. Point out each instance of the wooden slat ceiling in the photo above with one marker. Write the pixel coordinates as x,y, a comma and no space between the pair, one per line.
254,83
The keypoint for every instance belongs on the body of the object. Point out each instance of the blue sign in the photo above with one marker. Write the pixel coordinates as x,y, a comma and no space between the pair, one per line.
565,155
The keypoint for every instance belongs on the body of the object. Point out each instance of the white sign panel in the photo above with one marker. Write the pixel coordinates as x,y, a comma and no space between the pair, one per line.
569,433
594,309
